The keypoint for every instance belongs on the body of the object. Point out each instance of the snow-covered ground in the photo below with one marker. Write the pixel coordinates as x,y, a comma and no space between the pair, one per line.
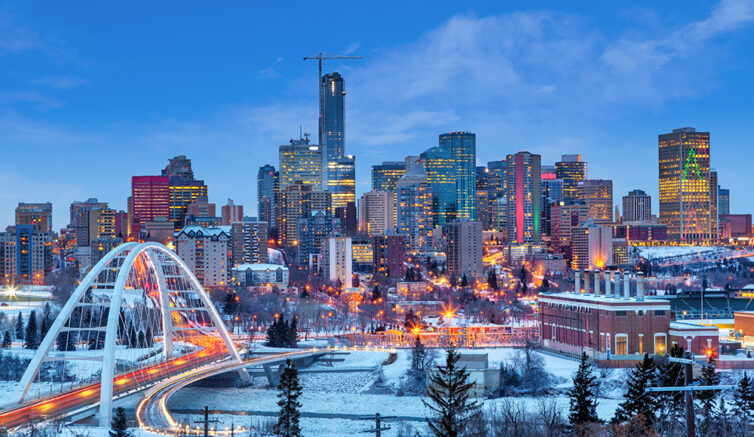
342,396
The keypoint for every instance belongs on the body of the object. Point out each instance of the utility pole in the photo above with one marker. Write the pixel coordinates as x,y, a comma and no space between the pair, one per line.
206,421
377,430
688,363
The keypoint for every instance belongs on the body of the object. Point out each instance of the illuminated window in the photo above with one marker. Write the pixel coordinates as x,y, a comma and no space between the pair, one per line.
621,344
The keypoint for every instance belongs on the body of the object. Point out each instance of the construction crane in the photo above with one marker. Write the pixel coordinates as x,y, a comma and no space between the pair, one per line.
320,56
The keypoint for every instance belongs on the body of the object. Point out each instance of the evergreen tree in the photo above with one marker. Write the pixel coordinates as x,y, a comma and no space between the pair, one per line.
289,390
66,342
20,326
118,426
7,341
743,397
464,281
46,321
636,399
448,391
707,397
418,355
292,337
492,280
31,340
670,375
230,303
583,402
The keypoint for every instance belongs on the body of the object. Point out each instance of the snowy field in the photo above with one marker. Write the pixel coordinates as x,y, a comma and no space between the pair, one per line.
341,397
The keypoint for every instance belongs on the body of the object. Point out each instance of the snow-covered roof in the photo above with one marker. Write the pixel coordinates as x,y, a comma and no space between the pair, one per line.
199,231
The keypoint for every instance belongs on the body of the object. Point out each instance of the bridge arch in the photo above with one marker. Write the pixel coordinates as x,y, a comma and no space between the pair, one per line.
139,315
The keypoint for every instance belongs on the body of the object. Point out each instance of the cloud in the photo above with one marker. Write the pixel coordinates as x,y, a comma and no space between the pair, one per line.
352,48
35,98
270,72
17,37
60,82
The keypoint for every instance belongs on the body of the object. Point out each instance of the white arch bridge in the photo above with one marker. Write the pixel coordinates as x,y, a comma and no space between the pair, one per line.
140,316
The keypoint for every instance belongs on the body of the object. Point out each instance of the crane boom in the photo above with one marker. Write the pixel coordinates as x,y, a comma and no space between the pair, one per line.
320,56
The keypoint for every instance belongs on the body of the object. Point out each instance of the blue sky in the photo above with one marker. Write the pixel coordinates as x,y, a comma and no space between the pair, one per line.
94,92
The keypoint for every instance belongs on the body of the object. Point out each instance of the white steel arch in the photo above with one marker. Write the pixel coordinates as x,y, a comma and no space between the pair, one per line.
111,321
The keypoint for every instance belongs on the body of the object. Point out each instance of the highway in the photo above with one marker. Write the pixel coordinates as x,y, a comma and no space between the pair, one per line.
86,396
152,411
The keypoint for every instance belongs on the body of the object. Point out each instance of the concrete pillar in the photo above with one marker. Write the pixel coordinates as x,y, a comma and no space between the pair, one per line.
626,285
586,281
577,281
597,282
640,286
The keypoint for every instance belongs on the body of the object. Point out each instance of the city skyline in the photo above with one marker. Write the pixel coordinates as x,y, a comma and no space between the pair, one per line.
63,104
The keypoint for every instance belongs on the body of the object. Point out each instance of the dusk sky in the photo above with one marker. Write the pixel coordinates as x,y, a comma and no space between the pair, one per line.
92,93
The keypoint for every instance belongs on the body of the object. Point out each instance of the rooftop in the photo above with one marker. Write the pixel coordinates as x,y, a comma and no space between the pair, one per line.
260,267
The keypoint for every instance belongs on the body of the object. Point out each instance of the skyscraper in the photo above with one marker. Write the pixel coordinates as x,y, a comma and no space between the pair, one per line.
37,214
714,218
342,181
551,191
267,186
723,201
523,177
150,199
184,189
300,161
385,175
414,208
376,211
572,170
464,239
249,242
462,146
685,190
597,195
637,207
295,201
332,120
440,169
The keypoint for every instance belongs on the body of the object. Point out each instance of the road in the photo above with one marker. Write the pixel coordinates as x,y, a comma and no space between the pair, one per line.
152,411
50,407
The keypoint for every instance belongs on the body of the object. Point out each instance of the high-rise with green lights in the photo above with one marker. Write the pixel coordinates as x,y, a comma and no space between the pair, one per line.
686,200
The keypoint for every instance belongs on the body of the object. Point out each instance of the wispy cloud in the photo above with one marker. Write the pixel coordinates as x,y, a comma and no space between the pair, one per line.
60,82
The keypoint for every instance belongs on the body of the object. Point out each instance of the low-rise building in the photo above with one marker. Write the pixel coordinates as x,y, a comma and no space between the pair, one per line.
261,275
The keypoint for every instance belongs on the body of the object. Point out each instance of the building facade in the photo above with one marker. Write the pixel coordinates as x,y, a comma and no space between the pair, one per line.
184,189
464,249
572,170
150,198
685,189
38,215
637,207
231,213
440,168
414,209
597,195
592,246
376,213
300,161
522,188
248,241
341,181
206,252
462,146
337,260
267,186
389,253
332,121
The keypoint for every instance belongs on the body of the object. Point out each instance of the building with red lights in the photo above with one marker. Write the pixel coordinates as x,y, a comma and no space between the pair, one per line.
150,198
523,177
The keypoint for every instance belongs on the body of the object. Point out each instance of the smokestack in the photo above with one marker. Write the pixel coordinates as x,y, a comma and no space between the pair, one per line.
640,286
597,282
577,281
586,281
626,285
608,292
